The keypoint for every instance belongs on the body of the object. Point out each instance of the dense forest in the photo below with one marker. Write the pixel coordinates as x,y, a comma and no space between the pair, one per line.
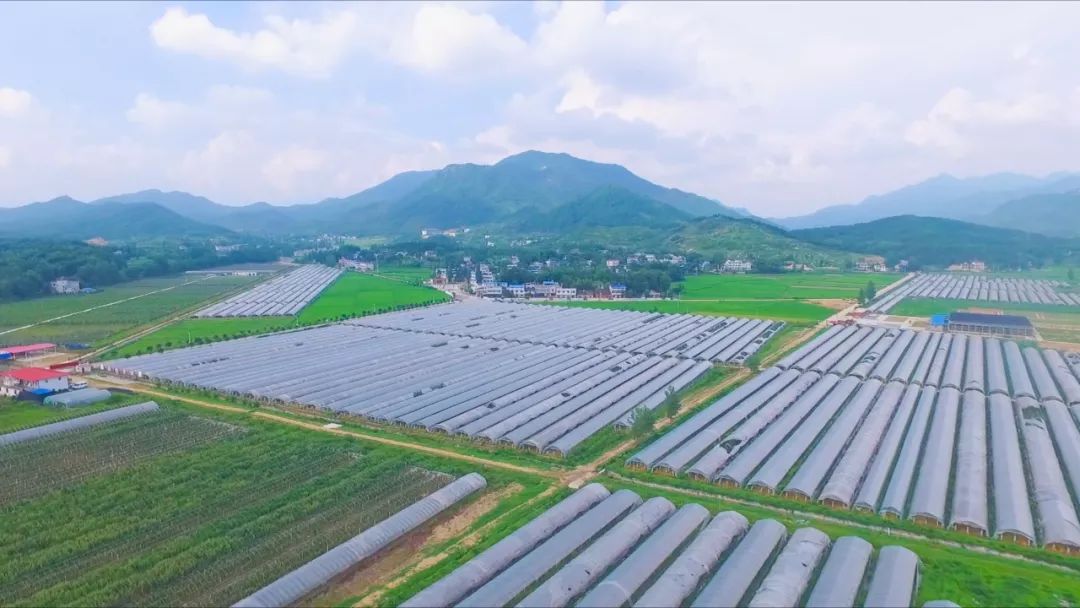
928,243
27,265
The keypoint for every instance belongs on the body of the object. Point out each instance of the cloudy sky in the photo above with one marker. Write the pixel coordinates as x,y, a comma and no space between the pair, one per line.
781,108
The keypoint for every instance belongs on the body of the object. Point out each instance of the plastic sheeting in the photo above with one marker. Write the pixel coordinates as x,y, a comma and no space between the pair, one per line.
532,567
478,570
810,475
790,574
75,424
1012,510
895,579
699,559
931,488
297,584
848,472
838,583
969,503
624,582
581,572
871,489
733,579
1057,516
900,483
84,396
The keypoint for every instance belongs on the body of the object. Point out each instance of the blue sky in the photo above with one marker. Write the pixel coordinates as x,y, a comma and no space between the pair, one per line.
781,108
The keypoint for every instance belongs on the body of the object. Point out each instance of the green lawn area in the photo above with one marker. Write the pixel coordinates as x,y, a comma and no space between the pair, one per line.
352,295
15,415
924,307
782,286
409,274
792,311
356,294
116,315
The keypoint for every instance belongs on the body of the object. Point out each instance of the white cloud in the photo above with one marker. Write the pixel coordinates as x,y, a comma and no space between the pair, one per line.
299,46
154,113
295,162
959,114
445,36
5,157
14,102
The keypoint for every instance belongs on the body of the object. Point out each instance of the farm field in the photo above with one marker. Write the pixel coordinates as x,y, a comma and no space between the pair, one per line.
410,274
15,415
803,286
791,311
116,316
353,294
182,508
356,294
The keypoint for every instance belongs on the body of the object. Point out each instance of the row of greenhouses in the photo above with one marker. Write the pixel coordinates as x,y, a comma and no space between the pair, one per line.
283,295
979,288
599,548
702,338
978,435
537,397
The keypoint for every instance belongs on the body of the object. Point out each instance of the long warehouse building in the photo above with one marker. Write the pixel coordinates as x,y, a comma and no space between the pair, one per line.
946,430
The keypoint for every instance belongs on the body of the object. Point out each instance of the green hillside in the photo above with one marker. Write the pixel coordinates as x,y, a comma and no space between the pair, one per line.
934,242
751,239
1050,214
71,219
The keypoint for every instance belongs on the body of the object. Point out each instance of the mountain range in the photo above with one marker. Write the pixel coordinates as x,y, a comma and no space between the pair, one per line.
570,199
999,199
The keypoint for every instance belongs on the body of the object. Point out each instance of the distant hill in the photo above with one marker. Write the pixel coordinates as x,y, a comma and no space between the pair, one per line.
742,238
67,218
1050,214
938,242
945,196
606,207
524,185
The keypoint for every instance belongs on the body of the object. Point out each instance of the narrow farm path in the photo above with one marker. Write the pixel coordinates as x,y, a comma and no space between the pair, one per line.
421,562
322,427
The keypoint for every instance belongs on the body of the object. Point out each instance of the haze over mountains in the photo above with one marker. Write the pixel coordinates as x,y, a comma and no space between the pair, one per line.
994,200
538,192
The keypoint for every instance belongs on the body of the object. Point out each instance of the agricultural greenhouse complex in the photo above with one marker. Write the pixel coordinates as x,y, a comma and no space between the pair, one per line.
716,339
514,382
976,434
287,294
976,288
601,548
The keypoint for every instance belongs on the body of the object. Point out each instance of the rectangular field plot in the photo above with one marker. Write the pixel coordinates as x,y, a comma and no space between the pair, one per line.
89,318
164,508
513,381
978,288
600,548
804,286
283,295
945,429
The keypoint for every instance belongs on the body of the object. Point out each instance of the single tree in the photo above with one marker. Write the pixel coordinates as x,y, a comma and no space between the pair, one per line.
670,406
644,419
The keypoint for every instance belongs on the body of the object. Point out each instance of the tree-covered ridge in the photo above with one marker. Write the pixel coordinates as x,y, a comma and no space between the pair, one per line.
927,242
28,265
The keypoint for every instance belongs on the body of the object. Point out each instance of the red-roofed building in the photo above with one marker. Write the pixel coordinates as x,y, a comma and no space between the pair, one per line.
14,352
14,381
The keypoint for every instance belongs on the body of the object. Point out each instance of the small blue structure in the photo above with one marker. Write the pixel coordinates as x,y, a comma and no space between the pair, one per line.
940,320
